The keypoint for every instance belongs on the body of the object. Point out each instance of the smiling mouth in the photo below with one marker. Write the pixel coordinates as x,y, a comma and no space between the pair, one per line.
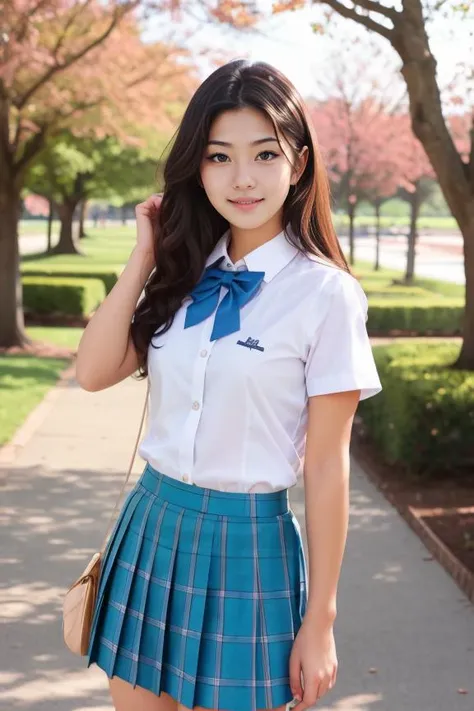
246,202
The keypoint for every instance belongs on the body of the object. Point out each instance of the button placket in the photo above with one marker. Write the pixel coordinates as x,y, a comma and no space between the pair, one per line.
186,453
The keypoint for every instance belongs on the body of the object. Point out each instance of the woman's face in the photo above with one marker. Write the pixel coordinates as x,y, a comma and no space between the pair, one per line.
244,160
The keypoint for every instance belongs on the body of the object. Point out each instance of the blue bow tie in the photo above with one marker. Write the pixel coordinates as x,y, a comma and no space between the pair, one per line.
241,285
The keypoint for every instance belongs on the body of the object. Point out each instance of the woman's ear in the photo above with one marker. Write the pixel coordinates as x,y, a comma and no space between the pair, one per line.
301,162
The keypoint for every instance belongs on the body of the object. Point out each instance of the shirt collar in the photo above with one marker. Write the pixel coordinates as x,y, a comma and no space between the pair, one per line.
270,257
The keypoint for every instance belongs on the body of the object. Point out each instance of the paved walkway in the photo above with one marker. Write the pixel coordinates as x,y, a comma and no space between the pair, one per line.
404,631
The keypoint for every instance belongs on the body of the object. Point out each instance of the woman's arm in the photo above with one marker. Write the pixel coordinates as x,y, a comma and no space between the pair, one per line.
326,483
106,353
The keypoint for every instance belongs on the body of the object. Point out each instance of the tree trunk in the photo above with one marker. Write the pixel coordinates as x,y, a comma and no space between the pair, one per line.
456,178
50,225
377,237
124,214
466,356
351,213
82,217
66,244
12,324
412,237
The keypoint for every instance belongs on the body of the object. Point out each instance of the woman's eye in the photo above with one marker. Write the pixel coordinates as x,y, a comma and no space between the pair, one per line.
217,155
268,153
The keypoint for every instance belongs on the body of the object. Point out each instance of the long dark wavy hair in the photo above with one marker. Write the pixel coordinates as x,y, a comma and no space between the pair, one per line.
188,226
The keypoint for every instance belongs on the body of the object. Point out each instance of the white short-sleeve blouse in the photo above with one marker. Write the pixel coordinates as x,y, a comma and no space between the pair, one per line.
231,414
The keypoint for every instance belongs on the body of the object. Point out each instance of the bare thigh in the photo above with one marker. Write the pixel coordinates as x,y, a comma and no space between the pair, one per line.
127,698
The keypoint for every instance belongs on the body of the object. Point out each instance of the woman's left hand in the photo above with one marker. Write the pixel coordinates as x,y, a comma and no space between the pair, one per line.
313,663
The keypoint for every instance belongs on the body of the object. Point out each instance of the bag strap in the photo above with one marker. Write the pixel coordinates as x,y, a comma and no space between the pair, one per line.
129,470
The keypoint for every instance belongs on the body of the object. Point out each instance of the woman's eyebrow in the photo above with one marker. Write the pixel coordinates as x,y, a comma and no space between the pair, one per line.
254,143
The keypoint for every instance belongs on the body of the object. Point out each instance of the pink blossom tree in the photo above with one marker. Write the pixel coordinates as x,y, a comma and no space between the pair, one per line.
416,184
358,143
79,66
383,172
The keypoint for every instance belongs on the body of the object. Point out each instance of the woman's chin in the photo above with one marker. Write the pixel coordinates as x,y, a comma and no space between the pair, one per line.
246,220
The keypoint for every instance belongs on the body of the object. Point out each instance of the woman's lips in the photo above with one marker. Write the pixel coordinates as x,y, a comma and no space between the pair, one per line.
246,206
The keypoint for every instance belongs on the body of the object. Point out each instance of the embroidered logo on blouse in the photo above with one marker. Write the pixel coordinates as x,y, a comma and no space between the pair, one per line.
251,343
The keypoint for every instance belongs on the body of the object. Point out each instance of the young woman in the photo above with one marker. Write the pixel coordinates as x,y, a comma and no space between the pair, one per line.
252,333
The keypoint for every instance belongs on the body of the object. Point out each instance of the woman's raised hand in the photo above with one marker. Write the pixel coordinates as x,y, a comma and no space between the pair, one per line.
146,216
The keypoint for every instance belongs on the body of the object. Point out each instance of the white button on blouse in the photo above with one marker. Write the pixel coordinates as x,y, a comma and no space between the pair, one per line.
231,414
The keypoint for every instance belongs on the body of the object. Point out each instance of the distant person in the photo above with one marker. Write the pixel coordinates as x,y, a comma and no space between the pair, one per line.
95,216
252,333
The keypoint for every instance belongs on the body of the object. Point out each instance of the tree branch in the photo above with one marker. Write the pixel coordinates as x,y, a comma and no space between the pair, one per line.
80,106
21,34
440,4
36,142
172,74
352,14
374,6
32,147
58,67
70,20
16,139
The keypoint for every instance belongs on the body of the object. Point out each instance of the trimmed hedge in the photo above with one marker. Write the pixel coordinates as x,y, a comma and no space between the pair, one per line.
423,420
440,316
109,277
426,307
373,290
62,296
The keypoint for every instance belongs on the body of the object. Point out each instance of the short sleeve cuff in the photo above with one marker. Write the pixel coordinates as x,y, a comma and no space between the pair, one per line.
343,382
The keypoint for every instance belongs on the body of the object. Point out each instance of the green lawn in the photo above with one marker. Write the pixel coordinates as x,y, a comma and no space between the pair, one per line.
383,278
68,337
432,223
104,247
25,380
37,227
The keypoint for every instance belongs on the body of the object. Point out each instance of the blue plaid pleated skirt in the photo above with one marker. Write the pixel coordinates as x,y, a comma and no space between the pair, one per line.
201,594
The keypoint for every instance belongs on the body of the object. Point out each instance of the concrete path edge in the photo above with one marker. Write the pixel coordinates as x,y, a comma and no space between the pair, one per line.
463,577
10,450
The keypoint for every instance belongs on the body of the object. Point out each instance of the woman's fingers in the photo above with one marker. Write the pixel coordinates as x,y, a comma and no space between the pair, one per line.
295,678
310,694
154,201
146,215
156,198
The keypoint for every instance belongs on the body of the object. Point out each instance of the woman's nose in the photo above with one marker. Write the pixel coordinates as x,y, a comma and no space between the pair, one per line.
243,180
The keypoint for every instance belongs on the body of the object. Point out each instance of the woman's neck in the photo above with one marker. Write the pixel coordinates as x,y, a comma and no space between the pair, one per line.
242,242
